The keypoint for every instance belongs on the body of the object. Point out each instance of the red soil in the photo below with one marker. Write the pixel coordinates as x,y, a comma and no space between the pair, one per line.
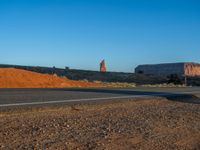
17,78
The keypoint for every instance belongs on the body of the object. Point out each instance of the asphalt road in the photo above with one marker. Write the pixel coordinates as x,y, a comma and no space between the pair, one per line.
27,97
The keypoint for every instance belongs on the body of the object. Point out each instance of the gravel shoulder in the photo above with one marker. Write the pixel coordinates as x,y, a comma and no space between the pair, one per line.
153,123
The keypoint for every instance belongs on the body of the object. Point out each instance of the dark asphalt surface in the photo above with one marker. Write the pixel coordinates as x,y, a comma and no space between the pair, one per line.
34,96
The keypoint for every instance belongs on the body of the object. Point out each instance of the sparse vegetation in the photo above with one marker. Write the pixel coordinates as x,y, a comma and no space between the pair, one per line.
116,84
132,85
163,85
175,79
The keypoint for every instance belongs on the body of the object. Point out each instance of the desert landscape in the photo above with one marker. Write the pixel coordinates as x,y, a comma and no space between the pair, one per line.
95,115
99,75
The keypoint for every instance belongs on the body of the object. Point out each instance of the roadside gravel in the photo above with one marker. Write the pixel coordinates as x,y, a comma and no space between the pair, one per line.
153,124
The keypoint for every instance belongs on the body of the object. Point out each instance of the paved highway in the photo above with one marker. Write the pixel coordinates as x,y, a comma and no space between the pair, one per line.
25,97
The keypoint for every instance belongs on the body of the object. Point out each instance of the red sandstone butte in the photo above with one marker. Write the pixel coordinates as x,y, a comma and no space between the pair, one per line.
102,66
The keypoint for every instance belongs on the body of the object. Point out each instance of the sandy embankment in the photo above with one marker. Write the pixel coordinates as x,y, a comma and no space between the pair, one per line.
17,78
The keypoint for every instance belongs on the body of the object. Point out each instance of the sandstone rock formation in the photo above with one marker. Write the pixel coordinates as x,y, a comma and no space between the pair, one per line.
180,69
192,69
102,66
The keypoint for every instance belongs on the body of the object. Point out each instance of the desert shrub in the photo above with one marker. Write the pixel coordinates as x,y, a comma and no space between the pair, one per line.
175,79
163,85
85,80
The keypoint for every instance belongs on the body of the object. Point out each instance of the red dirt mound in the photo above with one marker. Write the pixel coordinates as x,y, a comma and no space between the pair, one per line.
17,78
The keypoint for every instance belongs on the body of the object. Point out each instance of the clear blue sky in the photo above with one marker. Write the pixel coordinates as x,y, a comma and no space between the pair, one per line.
80,33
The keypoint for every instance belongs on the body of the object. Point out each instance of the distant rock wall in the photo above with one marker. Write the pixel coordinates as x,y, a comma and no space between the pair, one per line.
192,69
180,69
161,69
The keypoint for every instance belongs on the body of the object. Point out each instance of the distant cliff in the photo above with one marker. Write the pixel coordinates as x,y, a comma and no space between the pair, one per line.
181,69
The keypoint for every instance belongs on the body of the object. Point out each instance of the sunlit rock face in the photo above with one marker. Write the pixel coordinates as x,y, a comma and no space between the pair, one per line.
180,69
192,69
102,66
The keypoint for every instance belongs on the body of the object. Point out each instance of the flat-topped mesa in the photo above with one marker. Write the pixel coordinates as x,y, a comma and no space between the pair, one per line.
180,69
